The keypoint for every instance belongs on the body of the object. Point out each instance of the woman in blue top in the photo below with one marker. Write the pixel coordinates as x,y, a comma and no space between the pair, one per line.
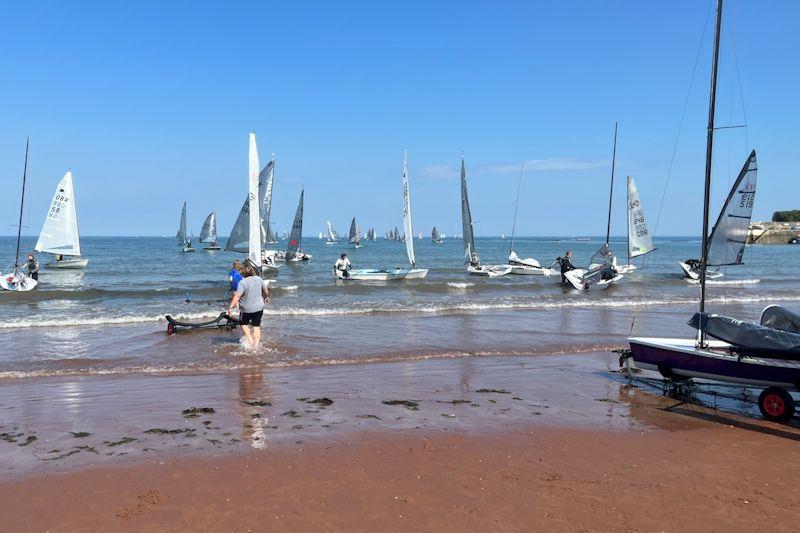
235,275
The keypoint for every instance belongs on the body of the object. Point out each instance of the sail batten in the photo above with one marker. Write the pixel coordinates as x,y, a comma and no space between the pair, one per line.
639,240
59,233
727,241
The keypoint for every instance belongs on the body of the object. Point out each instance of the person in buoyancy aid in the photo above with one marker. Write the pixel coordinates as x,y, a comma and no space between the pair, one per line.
566,265
342,265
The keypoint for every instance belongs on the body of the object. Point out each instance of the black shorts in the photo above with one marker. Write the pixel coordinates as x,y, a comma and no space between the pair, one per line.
251,319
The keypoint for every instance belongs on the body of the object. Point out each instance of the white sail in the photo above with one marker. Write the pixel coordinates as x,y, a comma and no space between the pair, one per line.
639,240
208,233
466,217
331,234
59,233
254,234
727,240
239,238
407,225
182,234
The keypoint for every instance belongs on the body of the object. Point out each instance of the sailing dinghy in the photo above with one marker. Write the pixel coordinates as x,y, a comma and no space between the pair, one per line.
17,280
354,236
330,238
639,240
59,235
184,241
727,241
436,237
400,272
293,250
766,354
528,266
208,233
474,266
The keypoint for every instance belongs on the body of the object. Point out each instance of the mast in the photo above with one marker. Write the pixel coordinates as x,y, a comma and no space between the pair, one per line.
21,205
516,208
611,193
709,150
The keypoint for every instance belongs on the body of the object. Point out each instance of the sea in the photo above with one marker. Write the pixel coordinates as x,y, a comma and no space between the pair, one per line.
109,318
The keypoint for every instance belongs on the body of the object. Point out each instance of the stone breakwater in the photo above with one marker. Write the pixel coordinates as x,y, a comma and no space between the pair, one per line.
773,233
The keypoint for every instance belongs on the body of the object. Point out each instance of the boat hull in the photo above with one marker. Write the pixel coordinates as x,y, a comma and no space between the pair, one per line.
68,263
368,274
694,275
575,278
681,358
17,283
490,271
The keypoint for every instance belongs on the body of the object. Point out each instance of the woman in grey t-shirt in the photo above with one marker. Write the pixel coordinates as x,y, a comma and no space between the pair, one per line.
251,295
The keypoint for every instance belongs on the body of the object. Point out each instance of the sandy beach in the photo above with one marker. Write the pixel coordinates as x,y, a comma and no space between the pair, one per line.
487,443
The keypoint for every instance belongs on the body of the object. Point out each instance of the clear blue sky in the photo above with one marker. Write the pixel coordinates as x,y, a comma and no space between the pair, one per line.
150,104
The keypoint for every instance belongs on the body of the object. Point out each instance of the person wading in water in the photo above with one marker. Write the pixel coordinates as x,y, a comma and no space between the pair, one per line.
250,296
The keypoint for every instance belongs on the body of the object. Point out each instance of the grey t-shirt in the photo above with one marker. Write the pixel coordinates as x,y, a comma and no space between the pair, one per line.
249,289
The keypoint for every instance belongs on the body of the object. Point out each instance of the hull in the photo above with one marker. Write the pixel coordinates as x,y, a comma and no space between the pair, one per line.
18,283
68,263
368,274
626,269
211,248
681,358
575,278
525,270
692,274
490,271
187,250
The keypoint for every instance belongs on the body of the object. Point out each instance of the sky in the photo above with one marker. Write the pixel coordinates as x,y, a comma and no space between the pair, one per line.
151,104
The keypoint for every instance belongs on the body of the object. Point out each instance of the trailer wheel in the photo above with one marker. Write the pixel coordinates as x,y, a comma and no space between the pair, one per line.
776,404
170,329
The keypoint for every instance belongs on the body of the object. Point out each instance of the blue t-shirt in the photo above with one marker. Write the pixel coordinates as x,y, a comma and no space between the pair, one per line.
235,277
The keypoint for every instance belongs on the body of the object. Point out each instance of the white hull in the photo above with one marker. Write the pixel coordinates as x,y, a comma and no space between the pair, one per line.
525,270
367,274
690,273
490,271
18,283
626,269
575,278
187,250
79,262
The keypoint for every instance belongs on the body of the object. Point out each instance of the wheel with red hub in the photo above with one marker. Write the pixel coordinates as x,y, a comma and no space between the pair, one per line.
776,404
170,329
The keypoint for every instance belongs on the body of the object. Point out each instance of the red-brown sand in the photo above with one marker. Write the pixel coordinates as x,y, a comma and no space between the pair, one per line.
710,477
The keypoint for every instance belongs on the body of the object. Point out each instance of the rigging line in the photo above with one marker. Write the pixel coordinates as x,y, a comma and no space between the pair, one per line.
646,260
732,30
516,208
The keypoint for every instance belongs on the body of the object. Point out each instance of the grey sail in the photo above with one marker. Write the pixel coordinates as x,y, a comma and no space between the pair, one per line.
182,227
435,234
466,217
293,247
239,239
266,180
727,240
208,233
352,236
639,240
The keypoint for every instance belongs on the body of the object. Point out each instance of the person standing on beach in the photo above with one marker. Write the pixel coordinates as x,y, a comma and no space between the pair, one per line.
33,267
250,296
235,275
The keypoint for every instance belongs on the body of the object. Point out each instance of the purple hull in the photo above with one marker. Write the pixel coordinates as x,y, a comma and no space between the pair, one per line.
674,357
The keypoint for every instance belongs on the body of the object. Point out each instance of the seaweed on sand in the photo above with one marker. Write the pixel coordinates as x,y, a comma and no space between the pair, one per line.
257,403
369,416
324,402
80,434
194,412
162,431
493,391
28,440
292,413
408,404
120,442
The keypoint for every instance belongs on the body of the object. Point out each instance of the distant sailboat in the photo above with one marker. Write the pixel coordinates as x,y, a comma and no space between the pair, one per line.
436,237
395,273
528,266
18,280
208,233
320,236
184,240
331,238
293,248
354,237
474,266
59,235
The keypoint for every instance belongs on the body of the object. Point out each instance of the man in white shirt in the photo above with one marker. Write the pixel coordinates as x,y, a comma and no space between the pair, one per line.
341,266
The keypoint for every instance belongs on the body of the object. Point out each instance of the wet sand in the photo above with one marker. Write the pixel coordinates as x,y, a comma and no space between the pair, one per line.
491,443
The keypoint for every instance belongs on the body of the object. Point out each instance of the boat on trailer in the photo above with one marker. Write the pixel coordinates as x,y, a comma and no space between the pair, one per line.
764,354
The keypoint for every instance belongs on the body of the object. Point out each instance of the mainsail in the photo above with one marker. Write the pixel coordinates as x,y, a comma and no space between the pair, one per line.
59,233
266,180
209,231
255,234
239,239
331,234
435,234
297,231
466,217
727,240
352,237
182,228
639,240
407,226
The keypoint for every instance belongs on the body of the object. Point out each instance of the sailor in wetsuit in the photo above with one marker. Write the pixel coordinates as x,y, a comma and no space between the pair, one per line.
566,265
33,267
